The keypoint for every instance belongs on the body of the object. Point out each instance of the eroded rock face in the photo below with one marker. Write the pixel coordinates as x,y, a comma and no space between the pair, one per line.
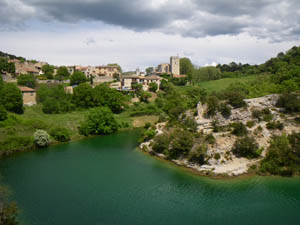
227,163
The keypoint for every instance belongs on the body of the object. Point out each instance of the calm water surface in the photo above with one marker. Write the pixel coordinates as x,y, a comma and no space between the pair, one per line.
106,181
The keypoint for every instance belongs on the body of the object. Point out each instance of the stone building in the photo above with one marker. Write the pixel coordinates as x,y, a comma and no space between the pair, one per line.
29,96
145,81
175,65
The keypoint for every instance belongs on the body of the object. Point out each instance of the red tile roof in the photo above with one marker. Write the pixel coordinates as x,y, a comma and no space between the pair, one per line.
26,89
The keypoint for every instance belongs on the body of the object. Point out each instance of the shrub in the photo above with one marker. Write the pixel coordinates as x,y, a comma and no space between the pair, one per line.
280,159
212,106
15,143
181,144
161,143
290,102
275,125
250,123
257,114
26,80
225,110
148,135
198,156
41,138
210,139
153,87
60,134
239,129
3,113
246,147
11,98
235,99
99,121
217,156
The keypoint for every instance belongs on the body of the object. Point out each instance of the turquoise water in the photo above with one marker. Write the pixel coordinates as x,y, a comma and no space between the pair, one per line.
106,181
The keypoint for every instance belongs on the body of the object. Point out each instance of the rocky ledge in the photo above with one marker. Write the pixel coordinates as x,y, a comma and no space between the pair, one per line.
226,162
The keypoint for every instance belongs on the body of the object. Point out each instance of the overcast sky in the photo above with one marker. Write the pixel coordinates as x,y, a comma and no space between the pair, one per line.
141,33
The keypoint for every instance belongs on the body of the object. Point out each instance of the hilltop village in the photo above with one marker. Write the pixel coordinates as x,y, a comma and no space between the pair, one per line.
230,119
112,74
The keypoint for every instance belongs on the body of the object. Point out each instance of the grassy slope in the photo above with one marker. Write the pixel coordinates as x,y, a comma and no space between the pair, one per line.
218,85
34,118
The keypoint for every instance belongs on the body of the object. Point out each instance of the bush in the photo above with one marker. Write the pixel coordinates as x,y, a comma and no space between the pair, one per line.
77,78
99,121
235,99
239,129
217,156
290,102
275,125
15,143
11,98
41,138
148,135
246,147
250,123
161,143
60,134
153,87
210,139
181,144
198,156
225,110
212,106
26,80
3,113
280,159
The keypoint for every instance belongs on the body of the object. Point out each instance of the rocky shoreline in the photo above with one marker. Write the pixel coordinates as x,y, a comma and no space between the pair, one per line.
227,163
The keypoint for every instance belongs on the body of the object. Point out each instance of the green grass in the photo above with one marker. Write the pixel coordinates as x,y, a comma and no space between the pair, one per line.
219,85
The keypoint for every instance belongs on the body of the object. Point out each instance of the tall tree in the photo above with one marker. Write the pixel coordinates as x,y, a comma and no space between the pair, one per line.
11,98
186,67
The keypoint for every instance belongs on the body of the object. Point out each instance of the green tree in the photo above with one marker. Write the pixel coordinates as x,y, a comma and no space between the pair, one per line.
1,82
103,95
62,73
77,78
61,134
144,96
83,96
11,98
48,70
99,121
27,80
186,67
246,147
153,87
182,143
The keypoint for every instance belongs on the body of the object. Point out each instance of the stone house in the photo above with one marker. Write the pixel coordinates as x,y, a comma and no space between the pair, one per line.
145,81
108,70
29,96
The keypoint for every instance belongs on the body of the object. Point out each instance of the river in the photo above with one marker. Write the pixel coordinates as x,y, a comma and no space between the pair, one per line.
107,181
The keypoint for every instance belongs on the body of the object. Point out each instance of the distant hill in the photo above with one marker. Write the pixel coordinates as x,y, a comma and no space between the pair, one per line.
10,56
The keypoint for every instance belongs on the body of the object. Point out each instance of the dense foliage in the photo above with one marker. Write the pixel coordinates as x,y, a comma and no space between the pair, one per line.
11,98
246,147
283,157
27,80
60,134
99,121
77,78
41,138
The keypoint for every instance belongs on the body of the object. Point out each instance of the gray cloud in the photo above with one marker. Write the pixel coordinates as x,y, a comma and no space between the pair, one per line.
277,20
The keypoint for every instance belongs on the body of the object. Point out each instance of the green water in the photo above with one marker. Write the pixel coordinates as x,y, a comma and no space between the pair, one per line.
106,181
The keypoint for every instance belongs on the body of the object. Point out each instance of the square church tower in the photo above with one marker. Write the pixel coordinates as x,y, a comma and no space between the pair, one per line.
175,67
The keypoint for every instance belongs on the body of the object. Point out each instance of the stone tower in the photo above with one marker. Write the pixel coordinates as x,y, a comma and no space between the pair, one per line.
174,63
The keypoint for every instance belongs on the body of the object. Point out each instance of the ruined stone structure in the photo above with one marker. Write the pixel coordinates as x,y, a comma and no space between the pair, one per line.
175,65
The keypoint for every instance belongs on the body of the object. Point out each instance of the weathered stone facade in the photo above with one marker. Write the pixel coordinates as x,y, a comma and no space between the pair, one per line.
29,96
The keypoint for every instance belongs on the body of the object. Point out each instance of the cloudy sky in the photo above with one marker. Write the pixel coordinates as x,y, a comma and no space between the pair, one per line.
141,33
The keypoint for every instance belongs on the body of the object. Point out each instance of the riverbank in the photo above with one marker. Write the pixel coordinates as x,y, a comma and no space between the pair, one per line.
16,132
